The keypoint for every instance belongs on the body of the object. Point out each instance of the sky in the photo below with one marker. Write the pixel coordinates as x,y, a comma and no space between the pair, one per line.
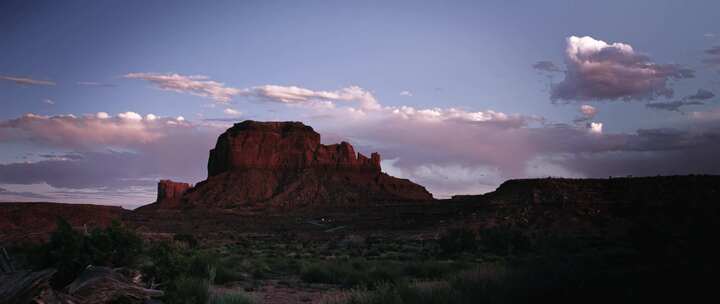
101,99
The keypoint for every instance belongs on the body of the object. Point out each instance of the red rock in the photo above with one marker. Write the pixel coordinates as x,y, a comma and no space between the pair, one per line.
21,222
284,164
282,146
170,193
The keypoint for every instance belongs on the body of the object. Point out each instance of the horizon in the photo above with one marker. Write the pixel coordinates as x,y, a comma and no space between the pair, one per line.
101,100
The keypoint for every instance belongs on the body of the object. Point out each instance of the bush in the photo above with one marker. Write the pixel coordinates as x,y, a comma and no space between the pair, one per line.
186,290
457,240
70,251
187,239
504,240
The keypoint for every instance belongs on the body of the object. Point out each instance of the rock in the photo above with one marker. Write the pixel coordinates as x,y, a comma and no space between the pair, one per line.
282,146
24,287
284,164
105,285
170,193
23,222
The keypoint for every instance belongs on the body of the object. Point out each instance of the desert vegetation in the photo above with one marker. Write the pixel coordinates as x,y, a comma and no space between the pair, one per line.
501,264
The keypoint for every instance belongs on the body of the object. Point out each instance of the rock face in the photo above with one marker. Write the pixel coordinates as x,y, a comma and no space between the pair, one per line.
283,146
170,193
284,164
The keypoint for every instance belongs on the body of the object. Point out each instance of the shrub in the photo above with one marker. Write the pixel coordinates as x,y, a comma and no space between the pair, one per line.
186,290
70,251
457,240
504,240
187,239
230,298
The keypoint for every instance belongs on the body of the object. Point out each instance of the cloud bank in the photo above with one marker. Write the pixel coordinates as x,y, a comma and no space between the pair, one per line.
449,150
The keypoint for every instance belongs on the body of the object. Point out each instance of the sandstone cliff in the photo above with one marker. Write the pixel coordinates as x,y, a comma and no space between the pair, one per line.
283,164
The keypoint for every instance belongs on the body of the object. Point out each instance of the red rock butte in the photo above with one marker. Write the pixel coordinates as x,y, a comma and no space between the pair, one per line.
284,164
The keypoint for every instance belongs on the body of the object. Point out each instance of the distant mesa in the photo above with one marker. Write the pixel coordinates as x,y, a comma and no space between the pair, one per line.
283,164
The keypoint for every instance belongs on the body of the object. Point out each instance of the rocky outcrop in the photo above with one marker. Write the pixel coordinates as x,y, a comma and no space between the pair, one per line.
284,164
282,146
170,193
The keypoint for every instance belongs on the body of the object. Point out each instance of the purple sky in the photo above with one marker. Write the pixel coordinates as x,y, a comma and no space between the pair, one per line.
101,99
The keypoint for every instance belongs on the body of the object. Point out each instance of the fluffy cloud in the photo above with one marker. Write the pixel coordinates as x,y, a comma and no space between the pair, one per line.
106,154
195,84
88,132
597,70
27,81
406,93
587,112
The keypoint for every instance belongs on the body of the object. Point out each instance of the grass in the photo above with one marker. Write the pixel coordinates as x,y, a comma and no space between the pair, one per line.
230,298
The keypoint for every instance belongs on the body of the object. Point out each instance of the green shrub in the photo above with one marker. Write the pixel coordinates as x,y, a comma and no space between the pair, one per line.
70,251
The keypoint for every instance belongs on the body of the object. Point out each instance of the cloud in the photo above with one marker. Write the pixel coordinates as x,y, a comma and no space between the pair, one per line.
406,93
88,132
232,112
695,99
713,57
587,112
198,85
672,105
27,81
595,127
22,195
701,94
48,101
546,66
95,84
597,70
449,150
298,95
101,153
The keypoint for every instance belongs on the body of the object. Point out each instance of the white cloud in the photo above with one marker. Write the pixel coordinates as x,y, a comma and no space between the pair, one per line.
132,116
406,93
232,112
49,101
198,85
587,112
298,95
